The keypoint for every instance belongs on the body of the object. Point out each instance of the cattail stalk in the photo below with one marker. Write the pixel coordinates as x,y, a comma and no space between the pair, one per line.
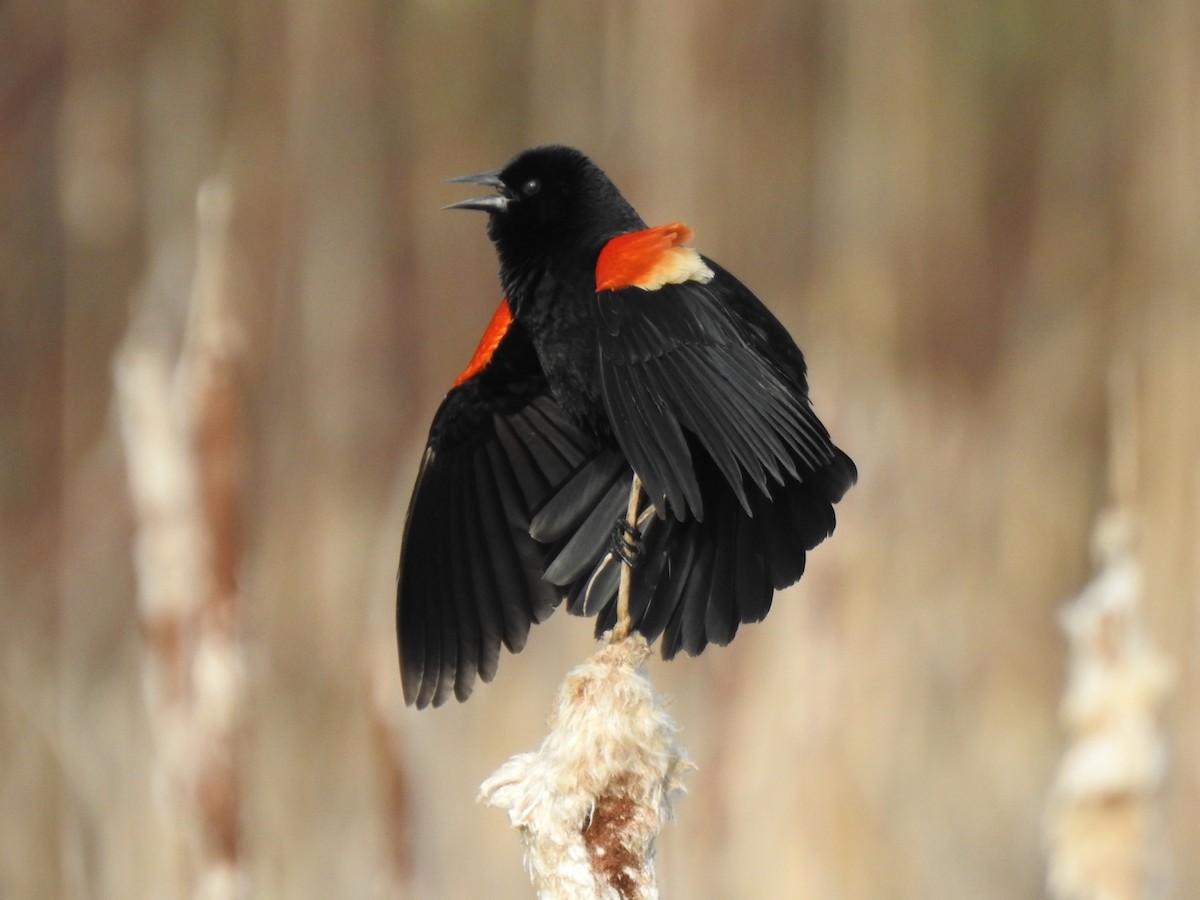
624,624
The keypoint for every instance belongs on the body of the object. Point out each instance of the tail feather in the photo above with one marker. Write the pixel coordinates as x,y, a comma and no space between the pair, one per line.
698,581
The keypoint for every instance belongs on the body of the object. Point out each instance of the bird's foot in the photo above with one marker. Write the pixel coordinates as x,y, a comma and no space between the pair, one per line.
626,543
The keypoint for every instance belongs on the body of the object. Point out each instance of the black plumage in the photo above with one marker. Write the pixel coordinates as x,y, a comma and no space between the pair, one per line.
676,371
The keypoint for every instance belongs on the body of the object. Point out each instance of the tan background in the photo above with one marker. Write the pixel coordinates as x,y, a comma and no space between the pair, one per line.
970,215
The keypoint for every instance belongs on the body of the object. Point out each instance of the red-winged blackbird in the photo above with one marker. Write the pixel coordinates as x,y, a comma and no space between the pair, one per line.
616,350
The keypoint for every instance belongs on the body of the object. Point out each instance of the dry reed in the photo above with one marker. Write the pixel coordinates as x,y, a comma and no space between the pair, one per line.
180,420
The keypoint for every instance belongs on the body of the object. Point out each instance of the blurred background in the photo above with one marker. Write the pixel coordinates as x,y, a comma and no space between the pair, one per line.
980,220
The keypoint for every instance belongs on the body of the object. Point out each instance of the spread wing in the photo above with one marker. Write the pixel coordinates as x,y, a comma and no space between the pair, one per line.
707,396
704,367
470,575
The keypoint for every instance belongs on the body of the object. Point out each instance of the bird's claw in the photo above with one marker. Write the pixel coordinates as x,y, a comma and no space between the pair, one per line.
626,543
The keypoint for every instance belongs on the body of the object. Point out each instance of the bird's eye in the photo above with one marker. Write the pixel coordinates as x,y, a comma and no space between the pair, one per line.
531,187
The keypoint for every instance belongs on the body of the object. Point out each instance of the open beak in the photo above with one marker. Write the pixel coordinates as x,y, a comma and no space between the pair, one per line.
491,204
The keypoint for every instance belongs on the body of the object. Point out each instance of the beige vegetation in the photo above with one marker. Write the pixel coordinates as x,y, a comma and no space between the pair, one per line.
220,222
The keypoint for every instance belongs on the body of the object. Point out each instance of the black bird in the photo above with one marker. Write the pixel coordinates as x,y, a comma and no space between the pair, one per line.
616,349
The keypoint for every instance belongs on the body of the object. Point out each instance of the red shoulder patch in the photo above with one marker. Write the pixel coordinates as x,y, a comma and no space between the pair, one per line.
495,332
650,258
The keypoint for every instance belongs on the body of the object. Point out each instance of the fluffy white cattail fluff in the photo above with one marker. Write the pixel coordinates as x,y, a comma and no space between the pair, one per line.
591,800
179,409
1101,824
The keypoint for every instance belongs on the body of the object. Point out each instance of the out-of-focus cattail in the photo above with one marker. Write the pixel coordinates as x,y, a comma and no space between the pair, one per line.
180,415
1102,825
1102,828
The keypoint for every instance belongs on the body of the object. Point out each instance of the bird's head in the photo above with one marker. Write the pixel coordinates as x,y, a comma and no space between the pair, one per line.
549,197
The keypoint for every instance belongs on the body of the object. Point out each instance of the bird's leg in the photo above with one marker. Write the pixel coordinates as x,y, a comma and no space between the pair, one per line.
631,545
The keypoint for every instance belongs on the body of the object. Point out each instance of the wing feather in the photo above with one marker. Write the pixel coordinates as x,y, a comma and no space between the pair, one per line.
675,367
753,590
551,425
563,512
650,434
466,601
503,582
530,478
579,555
696,414
541,596
695,600
470,576
721,618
